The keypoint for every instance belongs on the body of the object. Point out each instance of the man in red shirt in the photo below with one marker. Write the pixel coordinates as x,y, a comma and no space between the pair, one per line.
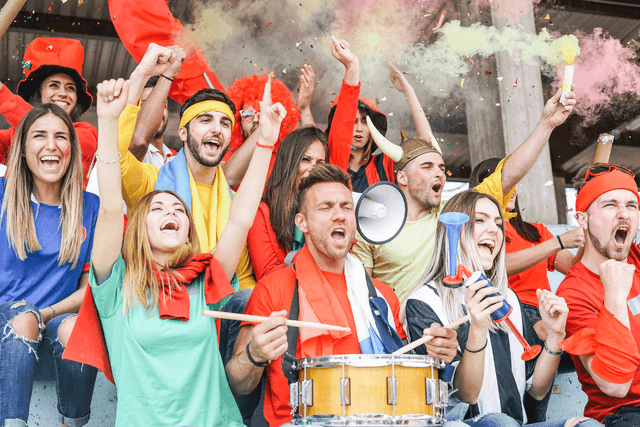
601,289
330,285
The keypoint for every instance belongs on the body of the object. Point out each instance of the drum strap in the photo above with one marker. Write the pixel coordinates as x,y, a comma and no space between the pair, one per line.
289,359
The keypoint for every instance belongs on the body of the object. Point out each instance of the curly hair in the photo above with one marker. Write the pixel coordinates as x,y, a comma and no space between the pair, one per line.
249,90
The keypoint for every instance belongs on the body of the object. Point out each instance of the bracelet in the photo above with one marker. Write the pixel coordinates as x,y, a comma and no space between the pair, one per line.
108,161
270,147
553,353
560,241
55,313
479,350
258,364
162,75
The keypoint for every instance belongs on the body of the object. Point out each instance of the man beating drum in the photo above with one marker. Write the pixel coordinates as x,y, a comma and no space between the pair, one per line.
330,287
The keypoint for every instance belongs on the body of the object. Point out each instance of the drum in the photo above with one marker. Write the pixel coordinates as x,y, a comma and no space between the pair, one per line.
370,389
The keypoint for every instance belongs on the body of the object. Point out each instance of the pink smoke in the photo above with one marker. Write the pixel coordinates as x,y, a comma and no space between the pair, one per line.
605,69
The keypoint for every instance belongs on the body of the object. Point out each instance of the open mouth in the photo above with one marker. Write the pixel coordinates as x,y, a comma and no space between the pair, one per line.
358,138
621,234
50,162
487,245
170,225
212,144
61,104
338,235
437,188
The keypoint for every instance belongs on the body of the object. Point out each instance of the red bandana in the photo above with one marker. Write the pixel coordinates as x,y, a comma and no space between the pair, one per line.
614,180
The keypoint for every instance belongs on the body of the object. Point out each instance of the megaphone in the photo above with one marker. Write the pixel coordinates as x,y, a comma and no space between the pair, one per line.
381,211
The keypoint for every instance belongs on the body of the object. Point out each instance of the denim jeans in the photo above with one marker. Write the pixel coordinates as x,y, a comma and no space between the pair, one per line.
503,420
228,333
22,360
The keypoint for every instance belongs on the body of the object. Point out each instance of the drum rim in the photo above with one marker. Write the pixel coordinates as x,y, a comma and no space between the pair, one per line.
409,360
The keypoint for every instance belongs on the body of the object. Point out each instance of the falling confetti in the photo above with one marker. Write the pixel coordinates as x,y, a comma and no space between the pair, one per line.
80,2
284,71
548,183
516,83
440,21
547,17
462,83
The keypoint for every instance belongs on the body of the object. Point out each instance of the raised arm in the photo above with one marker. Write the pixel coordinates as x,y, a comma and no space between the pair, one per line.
111,99
526,155
152,109
245,203
305,93
401,84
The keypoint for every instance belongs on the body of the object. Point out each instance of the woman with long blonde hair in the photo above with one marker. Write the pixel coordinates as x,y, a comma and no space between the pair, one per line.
490,376
150,293
48,224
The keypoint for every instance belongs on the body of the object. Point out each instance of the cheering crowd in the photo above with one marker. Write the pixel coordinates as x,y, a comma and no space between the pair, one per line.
259,194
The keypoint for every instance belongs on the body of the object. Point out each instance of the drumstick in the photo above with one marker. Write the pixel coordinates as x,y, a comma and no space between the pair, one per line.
428,338
259,319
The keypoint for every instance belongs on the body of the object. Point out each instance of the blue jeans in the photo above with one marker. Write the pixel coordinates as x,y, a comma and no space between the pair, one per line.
22,360
228,333
503,420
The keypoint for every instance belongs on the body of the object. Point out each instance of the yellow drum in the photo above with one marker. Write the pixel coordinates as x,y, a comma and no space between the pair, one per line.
368,387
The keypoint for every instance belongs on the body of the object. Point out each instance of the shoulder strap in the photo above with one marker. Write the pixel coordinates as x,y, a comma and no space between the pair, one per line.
289,358
372,289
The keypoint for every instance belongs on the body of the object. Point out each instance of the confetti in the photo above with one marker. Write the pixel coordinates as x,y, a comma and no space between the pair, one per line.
50,47
497,104
487,72
26,64
384,99
547,17
80,2
449,172
548,183
270,23
462,83
482,98
284,71
499,79
516,83
50,6
391,114
442,15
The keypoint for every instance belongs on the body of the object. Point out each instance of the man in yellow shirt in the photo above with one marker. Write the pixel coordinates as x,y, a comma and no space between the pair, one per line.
206,123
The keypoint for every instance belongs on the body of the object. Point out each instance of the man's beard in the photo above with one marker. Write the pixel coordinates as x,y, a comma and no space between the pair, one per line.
618,255
246,135
194,150
161,131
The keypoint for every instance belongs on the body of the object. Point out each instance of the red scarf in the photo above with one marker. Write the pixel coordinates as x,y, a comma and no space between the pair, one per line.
87,344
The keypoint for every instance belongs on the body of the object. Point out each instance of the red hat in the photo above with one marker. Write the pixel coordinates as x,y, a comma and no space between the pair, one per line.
44,57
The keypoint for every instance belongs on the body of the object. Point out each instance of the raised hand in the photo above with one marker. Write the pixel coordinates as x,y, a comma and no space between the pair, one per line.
178,56
397,78
307,86
111,98
341,50
573,238
271,117
156,60
555,113
269,338
553,311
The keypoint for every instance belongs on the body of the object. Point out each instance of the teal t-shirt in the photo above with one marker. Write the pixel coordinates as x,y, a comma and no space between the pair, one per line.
167,372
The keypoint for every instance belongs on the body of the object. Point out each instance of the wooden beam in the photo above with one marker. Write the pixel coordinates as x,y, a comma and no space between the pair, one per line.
617,8
64,24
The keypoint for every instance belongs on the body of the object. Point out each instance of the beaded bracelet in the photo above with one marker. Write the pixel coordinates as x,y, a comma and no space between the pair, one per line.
108,161
258,364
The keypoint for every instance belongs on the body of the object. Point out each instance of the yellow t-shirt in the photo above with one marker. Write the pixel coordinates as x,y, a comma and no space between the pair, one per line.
401,262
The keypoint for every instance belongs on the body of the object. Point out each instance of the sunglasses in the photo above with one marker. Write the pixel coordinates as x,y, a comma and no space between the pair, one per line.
247,115
602,168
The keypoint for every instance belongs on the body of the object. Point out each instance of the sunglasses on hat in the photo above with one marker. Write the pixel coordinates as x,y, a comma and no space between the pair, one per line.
602,168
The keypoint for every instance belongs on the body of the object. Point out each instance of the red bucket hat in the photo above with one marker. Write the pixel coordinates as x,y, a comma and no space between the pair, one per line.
44,57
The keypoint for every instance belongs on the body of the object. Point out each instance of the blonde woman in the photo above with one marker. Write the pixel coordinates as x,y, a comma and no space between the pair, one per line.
490,375
47,224
150,293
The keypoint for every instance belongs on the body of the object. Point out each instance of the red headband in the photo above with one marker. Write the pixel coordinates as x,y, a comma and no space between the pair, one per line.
614,180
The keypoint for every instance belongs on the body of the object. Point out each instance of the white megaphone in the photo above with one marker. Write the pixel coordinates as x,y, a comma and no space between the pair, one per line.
381,212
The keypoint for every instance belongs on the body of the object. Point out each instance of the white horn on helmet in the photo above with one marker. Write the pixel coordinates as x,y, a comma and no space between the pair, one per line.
393,151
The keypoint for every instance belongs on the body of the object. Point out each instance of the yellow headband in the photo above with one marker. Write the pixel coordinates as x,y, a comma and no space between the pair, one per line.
202,107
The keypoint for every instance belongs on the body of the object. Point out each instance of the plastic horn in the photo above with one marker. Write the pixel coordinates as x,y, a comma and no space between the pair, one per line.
391,150
454,222
502,314
567,81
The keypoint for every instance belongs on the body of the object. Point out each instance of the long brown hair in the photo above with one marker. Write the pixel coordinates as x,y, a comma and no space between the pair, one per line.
16,205
280,192
140,283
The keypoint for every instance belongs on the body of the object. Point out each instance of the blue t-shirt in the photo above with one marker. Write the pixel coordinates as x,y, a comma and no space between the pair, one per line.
38,279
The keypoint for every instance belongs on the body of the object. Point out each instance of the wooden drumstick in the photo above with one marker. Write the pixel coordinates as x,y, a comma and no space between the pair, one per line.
428,338
259,319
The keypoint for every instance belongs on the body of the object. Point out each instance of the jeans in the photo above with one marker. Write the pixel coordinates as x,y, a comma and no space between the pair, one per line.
22,360
228,333
503,420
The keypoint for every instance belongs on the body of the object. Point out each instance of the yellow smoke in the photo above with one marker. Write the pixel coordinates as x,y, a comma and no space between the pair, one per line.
565,48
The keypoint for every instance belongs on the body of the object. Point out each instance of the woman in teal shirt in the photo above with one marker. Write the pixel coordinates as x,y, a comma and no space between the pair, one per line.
163,352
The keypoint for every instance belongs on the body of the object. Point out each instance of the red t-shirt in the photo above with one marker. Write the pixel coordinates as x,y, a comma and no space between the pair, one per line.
274,293
584,293
526,283
266,254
